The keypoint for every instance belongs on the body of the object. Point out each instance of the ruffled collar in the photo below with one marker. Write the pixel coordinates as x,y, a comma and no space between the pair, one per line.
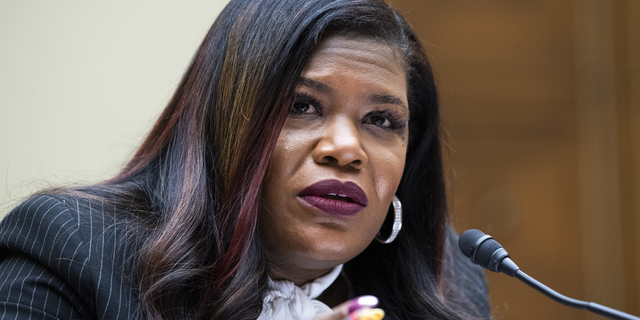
287,301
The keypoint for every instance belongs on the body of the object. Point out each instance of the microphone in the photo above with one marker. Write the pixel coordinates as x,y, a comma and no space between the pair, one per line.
486,252
483,250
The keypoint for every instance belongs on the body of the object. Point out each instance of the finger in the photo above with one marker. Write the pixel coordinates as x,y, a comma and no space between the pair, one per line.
338,313
341,311
362,302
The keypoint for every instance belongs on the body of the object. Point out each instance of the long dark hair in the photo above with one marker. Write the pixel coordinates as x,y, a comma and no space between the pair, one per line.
194,184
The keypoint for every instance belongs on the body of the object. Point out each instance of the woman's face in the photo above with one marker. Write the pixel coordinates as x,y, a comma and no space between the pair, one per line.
338,160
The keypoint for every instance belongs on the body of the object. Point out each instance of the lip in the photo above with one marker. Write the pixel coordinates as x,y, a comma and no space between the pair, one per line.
326,195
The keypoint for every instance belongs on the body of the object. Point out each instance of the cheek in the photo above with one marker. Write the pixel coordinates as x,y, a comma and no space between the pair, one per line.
277,221
388,170
288,155
274,224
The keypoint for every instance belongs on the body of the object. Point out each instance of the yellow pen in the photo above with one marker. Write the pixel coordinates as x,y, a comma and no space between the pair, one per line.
366,314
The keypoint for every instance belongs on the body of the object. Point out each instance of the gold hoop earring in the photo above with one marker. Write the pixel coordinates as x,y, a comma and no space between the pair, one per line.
397,222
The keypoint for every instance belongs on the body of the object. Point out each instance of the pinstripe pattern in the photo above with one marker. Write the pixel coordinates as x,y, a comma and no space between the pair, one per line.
60,259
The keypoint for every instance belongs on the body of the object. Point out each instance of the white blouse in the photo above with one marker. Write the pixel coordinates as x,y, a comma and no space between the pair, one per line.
288,302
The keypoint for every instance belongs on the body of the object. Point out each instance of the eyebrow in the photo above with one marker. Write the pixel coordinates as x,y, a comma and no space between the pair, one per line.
319,86
373,99
386,99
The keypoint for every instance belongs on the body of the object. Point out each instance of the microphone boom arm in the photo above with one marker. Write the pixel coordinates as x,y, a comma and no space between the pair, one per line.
483,250
573,303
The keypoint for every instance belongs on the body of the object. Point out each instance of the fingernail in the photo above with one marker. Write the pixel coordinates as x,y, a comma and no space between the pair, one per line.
363,302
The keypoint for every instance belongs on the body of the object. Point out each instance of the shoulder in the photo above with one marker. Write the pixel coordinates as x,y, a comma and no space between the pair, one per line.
74,239
54,226
41,221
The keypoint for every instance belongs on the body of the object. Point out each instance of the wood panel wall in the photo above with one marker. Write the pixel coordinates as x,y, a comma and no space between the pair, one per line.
541,107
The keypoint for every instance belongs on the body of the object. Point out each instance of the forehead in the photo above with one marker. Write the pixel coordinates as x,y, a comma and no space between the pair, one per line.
366,59
362,49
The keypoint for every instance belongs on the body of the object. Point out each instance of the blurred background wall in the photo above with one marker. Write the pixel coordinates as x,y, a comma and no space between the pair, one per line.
81,83
541,106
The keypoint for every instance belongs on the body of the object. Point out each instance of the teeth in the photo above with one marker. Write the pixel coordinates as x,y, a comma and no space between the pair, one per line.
337,195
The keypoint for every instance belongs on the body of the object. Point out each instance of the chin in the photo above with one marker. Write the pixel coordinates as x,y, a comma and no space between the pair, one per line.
328,254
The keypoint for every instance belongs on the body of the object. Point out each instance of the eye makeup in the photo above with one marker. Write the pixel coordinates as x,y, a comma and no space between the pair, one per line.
306,104
302,103
396,123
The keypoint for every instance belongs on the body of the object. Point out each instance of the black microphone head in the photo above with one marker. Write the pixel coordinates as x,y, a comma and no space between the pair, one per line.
486,252
467,242
478,247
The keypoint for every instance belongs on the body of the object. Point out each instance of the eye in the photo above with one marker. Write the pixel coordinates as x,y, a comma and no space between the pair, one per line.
305,105
379,121
386,120
299,108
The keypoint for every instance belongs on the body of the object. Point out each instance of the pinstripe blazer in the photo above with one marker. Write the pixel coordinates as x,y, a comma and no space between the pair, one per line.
62,259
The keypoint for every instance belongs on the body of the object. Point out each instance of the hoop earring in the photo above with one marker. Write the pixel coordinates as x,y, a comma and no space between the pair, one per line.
397,222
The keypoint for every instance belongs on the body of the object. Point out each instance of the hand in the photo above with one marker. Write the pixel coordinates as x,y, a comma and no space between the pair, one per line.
356,309
338,313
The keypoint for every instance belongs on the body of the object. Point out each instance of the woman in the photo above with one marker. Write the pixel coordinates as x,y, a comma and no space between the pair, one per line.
261,188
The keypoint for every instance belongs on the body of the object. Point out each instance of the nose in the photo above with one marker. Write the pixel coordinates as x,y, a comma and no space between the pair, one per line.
340,144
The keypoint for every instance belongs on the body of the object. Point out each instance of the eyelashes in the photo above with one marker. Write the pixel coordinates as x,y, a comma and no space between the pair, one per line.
386,119
306,106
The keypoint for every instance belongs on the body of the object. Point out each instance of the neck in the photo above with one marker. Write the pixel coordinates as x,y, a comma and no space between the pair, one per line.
298,276
336,294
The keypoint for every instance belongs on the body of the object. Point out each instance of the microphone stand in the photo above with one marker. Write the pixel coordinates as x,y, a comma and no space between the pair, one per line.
573,303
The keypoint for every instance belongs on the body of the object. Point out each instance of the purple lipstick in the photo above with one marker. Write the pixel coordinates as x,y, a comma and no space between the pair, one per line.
334,197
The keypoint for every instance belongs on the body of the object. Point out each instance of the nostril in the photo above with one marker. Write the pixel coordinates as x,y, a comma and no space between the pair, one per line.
356,164
340,153
329,159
